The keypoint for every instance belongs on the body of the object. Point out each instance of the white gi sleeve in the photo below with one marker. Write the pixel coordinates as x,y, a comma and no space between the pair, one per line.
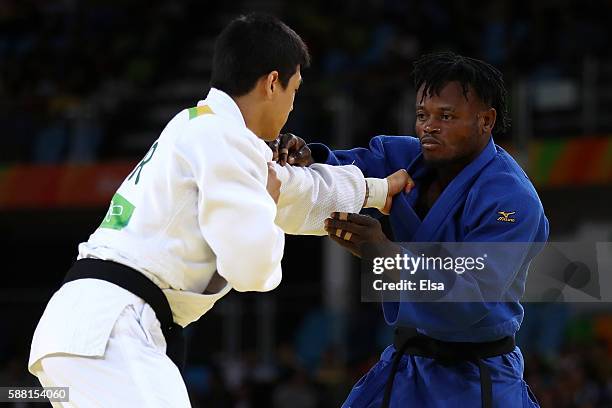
236,213
310,194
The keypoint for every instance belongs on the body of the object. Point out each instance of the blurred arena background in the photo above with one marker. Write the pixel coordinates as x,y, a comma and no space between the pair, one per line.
86,87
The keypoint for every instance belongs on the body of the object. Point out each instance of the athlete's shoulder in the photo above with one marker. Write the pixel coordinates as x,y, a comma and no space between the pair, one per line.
204,125
398,150
208,133
504,174
199,118
503,198
190,120
405,142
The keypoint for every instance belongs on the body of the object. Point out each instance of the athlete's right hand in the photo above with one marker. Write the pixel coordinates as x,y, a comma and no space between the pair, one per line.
293,150
274,184
398,181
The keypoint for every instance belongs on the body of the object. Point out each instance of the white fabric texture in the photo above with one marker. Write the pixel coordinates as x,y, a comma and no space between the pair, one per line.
377,194
135,349
310,194
79,318
200,206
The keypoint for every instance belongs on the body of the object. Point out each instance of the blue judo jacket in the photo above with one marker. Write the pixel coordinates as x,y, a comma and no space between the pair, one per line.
468,210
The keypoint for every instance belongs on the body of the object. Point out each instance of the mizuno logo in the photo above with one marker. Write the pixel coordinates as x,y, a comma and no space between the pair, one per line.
505,216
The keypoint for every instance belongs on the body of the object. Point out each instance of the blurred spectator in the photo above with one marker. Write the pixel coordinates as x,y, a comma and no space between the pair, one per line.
295,392
78,77
72,72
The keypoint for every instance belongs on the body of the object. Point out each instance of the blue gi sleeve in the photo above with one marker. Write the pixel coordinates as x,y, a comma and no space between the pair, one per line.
385,155
473,294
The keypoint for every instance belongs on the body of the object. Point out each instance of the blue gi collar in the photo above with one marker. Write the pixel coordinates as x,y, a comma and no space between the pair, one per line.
412,227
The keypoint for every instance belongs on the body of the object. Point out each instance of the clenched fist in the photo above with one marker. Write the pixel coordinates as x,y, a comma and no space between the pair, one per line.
288,148
397,182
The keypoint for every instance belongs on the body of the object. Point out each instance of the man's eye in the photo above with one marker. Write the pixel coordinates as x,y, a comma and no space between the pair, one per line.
446,117
420,116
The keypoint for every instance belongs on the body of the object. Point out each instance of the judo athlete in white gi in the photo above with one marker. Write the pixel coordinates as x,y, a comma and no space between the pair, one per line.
174,223
468,190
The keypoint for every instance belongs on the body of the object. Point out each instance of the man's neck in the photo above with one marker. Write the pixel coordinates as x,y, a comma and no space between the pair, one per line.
445,173
251,115
433,185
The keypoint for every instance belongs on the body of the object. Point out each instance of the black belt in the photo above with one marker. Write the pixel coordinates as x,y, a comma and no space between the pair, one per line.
141,286
408,341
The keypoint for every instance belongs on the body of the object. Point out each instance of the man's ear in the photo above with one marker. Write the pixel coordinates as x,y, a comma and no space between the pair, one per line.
487,120
271,83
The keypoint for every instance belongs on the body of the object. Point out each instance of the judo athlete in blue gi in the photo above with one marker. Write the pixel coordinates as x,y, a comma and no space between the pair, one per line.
467,189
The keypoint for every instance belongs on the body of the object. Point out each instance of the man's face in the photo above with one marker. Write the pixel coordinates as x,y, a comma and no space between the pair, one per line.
449,126
281,105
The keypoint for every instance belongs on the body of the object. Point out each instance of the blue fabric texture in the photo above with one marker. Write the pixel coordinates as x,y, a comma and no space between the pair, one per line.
466,211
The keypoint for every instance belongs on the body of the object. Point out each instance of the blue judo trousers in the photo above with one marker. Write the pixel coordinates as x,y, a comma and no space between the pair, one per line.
466,211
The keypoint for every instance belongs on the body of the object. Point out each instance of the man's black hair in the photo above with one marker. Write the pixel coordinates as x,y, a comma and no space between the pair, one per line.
436,70
252,46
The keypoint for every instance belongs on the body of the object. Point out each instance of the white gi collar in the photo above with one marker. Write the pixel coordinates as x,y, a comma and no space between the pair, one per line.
222,104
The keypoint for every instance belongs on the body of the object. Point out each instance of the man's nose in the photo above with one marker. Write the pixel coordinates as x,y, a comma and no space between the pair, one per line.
430,128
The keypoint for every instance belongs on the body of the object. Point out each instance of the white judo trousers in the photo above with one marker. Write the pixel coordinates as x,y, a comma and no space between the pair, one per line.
120,378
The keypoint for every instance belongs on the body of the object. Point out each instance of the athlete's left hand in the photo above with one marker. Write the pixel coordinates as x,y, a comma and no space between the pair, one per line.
361,235
288,148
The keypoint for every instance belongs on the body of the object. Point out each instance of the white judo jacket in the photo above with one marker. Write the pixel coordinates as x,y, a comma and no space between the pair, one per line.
197,203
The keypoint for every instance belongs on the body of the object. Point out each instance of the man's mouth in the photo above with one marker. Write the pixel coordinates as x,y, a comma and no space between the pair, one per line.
429,143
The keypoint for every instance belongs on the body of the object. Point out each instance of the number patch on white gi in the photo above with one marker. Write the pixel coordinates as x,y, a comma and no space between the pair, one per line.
118,214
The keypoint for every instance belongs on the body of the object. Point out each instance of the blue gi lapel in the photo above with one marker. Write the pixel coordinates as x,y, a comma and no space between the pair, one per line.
452,196
404,221
406,224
